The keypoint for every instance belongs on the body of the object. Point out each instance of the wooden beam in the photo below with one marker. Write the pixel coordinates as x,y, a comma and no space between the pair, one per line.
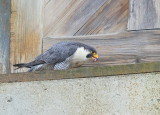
144,14
116,49
26,30
85,72
5,6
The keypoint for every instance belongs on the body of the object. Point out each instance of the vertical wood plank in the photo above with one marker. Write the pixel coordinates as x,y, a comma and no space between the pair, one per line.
144,14
26,30
4,35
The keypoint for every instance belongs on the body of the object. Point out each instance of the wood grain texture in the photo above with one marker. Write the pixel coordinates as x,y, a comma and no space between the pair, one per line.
86,72
111,17
26,30
123,48
84,17
4,35
144,14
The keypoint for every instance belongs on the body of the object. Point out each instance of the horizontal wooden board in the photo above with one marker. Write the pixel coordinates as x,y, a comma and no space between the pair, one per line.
144,14
86,72
84,17
26,30
4,35
123,48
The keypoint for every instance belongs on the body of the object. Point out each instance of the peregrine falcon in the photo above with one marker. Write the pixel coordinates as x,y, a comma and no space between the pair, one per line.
63,55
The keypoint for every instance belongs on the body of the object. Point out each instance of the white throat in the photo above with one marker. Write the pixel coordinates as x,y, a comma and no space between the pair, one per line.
80,55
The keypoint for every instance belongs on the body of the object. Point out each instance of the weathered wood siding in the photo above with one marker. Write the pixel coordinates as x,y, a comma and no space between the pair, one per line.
26,30
4,35
84,17
144,14
101,23
123,48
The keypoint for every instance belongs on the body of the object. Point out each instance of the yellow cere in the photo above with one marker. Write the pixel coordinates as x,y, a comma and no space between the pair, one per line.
95,55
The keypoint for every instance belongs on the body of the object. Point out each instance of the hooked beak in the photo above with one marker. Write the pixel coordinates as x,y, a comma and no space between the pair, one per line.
95,57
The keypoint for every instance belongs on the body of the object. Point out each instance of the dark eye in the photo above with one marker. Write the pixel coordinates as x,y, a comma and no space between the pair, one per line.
89,55
94,53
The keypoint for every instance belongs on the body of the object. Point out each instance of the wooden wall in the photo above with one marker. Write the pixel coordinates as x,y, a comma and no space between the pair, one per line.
144,14
26,30
105,24
4,35
84,17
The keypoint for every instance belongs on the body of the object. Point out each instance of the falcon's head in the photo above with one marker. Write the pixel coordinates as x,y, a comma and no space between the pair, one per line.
85,52
92,54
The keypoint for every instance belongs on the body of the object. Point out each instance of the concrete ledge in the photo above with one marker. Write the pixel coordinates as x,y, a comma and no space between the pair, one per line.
83,72
136,94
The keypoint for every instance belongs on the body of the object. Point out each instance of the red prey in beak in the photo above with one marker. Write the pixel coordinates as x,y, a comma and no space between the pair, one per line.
95,57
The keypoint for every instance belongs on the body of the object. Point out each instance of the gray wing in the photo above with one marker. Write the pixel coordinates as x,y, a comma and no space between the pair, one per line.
58,53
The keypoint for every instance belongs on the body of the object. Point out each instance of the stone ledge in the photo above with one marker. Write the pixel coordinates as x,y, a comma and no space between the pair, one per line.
83,72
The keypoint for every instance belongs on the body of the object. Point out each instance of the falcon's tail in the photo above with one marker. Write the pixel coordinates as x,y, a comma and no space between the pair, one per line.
30,64
21,65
